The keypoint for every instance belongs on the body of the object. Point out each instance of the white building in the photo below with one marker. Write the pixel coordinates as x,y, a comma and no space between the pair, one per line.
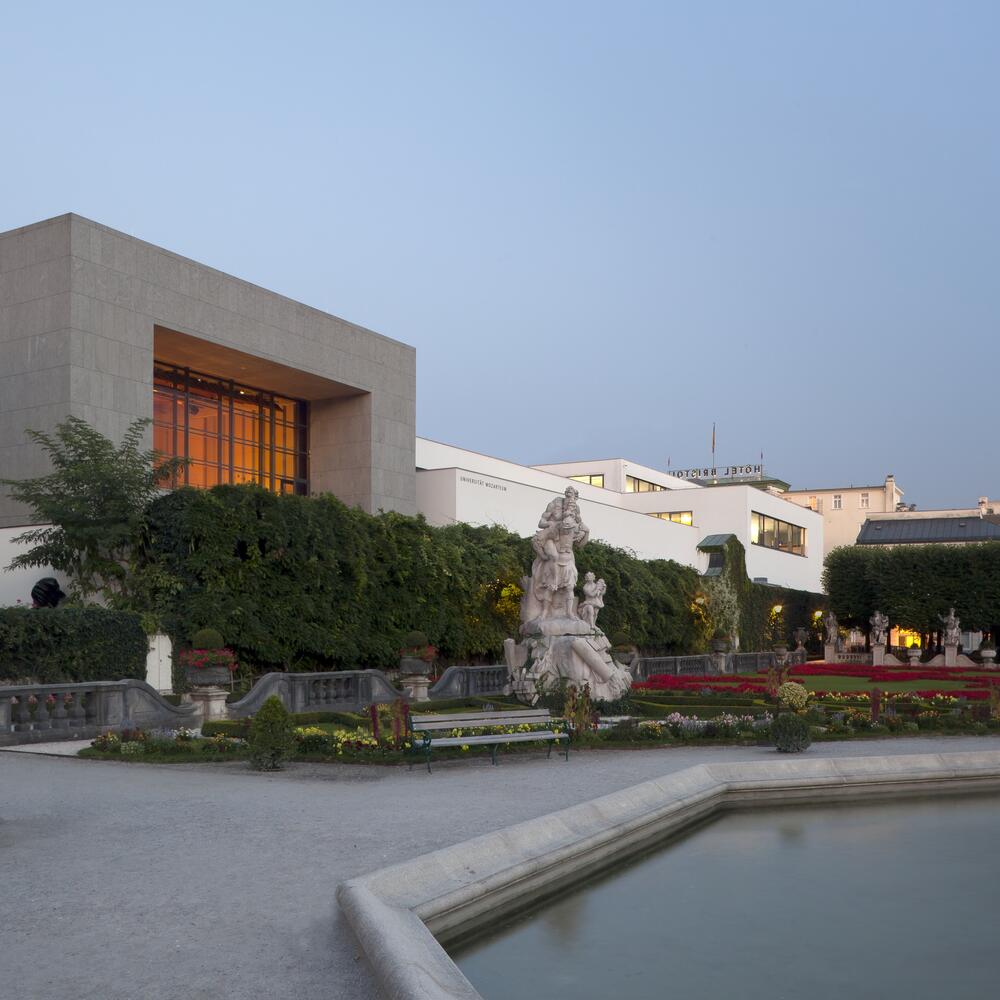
845,509
783,541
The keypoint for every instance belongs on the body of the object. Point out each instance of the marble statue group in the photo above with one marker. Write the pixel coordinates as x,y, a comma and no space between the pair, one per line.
560,641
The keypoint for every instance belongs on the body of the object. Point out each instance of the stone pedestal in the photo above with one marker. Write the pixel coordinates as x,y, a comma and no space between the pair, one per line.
951,656
830,652
719,663
878,655
416,686
210,702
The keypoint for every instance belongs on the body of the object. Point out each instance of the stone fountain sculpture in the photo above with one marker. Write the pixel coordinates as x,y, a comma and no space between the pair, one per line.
560,640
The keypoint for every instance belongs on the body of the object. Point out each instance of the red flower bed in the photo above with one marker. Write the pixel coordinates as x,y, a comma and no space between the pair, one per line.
976,687
715,683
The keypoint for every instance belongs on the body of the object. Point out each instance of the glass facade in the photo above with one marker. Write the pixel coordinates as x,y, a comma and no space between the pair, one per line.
231,433
635,485
677,516
775,534
594,480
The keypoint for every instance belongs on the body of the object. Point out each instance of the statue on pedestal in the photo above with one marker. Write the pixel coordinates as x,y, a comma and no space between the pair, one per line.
832,629
560,640
952,629
880,628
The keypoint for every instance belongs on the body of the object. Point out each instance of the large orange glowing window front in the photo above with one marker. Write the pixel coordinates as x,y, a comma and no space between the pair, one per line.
231,433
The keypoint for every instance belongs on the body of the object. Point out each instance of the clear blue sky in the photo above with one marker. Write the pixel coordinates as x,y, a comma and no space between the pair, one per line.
603,225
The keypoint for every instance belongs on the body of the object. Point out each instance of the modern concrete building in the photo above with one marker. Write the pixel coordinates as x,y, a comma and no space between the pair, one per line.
632,506
248,384
845,509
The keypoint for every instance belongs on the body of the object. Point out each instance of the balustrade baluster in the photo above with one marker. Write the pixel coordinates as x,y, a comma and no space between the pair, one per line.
77,715
22,714
42,711
60,718
88,707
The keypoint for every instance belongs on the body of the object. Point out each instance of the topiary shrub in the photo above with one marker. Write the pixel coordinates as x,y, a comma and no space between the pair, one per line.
791,733
793,695
207,638
271,737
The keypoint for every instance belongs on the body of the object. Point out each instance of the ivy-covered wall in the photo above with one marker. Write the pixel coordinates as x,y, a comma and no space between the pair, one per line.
759,628
52,645
305,583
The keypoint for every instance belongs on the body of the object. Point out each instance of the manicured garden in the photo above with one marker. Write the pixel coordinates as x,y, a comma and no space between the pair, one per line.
833,702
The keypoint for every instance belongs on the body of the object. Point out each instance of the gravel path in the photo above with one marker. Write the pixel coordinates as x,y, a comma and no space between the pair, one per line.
143,882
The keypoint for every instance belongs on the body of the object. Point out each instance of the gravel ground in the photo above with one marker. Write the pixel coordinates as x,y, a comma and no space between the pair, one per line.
141,882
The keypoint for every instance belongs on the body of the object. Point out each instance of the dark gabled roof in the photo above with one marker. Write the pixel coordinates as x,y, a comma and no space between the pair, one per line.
926,530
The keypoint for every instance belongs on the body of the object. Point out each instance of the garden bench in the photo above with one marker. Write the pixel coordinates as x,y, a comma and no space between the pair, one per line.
430,731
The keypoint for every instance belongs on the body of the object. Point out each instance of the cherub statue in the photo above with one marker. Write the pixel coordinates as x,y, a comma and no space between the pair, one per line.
593,599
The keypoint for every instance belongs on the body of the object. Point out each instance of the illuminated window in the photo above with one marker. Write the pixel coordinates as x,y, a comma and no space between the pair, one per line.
592,480
635,485
231,433
864,501
773,533
677,516
838,501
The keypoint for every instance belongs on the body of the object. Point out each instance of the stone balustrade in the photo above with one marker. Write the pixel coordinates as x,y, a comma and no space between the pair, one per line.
42,712
464,682
715,663
328,691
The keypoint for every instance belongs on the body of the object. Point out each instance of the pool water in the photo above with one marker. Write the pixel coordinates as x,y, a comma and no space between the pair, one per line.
889,900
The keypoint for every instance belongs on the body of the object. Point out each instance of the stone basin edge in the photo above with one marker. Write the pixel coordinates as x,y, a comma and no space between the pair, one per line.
401,914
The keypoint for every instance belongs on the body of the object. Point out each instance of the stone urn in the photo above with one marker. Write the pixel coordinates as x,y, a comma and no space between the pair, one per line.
719,644
913,655
208,676
413,666
989,656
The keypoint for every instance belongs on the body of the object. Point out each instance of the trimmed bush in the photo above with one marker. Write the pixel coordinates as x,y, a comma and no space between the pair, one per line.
207,638
271,739
791,733
59,645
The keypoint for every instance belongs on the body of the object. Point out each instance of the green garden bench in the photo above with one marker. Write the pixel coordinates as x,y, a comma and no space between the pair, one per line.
430,731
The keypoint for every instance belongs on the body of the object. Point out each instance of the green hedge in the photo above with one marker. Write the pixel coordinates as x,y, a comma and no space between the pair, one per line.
53,645
916,584
306,583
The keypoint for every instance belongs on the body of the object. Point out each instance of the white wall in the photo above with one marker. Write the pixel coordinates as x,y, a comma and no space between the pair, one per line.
445,496
460,485
615,470
16,585
721,510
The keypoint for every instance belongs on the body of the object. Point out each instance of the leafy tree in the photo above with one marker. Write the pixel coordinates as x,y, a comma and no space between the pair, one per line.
93,505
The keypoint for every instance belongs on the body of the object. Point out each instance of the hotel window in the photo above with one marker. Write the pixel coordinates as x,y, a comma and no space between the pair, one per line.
838,501
677,516
864,501
592,480
635,485
773,533
231,433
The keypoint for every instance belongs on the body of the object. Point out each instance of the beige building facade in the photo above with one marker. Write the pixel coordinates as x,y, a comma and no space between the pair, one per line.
845,509
249,385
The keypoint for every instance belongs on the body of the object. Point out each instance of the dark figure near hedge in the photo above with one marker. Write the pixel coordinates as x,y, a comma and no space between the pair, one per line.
46,593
